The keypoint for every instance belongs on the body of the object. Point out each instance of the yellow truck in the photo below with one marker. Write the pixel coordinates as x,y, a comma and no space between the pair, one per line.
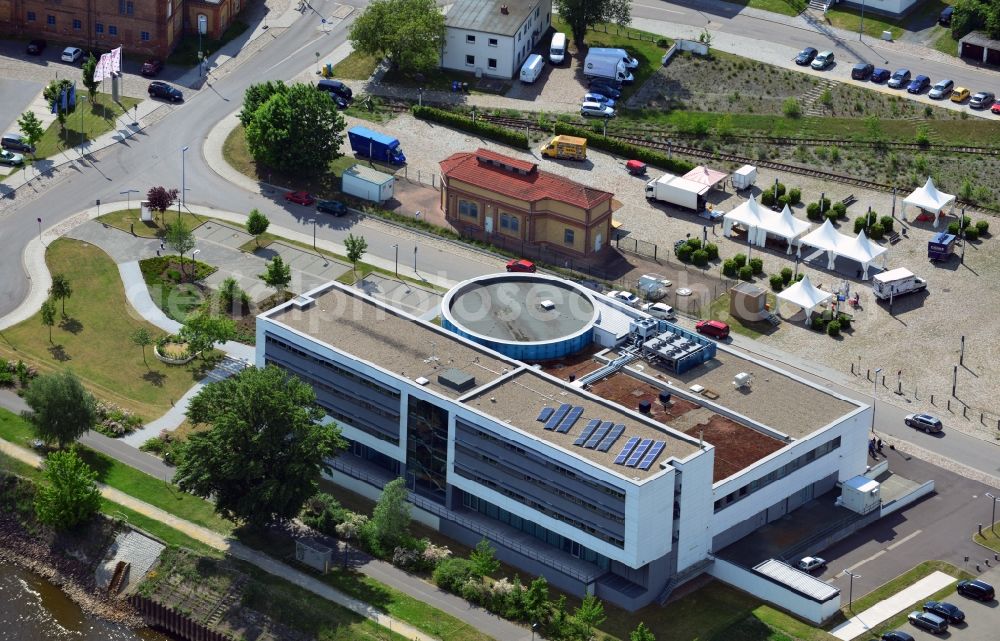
567,148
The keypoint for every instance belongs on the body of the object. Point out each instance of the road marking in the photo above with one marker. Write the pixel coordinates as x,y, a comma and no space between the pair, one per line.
656,8
871,558
903,540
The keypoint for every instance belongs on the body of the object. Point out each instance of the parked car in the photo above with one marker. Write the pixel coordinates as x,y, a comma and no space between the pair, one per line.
338,100
976,589
982,100
900,78
521,265
960,94
918,84
659,310
930,622
896,635
944,18
996,107
822,61
159,89
593,96
596,110
337,87
714,328
925,422
626,297
862,71
10,158
151,67
36,47
15,142
605,88
334,207
300,198
880,74
946,611
941,89
71,54
810,563
806,56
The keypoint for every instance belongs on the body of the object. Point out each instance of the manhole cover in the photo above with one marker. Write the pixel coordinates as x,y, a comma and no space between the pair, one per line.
684,291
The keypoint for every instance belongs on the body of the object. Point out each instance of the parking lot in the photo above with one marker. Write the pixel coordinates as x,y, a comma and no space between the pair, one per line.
982,620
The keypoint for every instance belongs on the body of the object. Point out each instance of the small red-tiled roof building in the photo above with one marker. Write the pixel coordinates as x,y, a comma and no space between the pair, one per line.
487,194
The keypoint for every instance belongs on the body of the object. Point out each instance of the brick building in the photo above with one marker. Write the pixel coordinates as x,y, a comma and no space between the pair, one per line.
143,27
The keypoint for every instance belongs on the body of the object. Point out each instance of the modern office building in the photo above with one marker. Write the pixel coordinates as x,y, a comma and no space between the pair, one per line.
615,471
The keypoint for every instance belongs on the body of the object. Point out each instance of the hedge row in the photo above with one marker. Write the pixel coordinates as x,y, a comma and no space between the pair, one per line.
484,129
615,146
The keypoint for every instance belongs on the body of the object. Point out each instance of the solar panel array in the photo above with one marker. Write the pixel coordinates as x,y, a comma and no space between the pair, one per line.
571,418
629,446
638,452
587,431
545,414
651,455
602,435
558,416
596,437
610,439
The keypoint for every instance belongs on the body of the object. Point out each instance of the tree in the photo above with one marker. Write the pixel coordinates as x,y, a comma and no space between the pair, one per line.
390,520
641,633
230,292
61,409
264,453
356,248
257,224
181,240
302,115
49,315
70,496
202,331
407,33
278,274
589,615
60,290
89,67
483,561
31,127
161,199
536,599
256,95
53,94
142,338
583,14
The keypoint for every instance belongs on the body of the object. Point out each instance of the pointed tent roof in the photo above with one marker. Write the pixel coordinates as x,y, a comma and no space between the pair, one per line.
825,237
863,250
786,225
928,197
804,294
748,214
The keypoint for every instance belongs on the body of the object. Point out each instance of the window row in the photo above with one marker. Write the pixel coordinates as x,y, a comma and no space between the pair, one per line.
333,367
471,40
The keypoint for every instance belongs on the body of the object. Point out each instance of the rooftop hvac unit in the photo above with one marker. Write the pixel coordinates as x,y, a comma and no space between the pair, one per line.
742,380
644,327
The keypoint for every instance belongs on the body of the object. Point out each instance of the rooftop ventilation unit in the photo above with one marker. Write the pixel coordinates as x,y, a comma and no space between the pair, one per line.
457,380
420,380
547,305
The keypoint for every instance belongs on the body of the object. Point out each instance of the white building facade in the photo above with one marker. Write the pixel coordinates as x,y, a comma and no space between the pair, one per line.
493,37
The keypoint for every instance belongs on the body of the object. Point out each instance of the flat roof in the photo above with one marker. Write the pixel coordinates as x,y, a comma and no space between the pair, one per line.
518,400
805,584
486,16
388,338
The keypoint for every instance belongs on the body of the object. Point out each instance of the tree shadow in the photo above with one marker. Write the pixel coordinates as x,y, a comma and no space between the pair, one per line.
71,325
59,353
202,365
157,379
96,461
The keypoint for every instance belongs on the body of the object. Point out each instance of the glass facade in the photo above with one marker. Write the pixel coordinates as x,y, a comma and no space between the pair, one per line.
427,449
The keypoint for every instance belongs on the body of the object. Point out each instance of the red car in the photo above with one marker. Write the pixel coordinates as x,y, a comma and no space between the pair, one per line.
300,198
714,328
996,107
521,265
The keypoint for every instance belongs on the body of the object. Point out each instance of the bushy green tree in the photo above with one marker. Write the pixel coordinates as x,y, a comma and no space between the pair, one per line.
70,495
407,33
589,615
257,224
61,409
181,240
89,67
256,95
390,522
484,563
31,127
53,95
356,247
583,14
203,331
48,313
641,633
142,338
536,599
60,290
277,274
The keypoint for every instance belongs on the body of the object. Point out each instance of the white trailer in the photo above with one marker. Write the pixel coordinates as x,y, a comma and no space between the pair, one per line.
744,177
608,67
366,183
896,282
678,191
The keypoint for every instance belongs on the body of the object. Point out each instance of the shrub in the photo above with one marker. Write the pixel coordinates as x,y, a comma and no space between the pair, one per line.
767,198
786,275
859,223
954,229
840,209
746,273
831,215
174,275
824,204
876,232
791,108
812,211
713,249
983,227
740,260
794,196
784,200
700,257
324,513
463,123
684,253
966,221
833,327
845,321
353,526
662,43
799,277
452,573
694,243
972,233
777,282
757,265
887,223
729,268
622,148
781,189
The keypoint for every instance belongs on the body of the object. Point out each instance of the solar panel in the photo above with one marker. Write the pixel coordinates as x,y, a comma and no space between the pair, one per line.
545,414
639,451
587,431
651,455
596,437
571,418
610,439
557,416
632,442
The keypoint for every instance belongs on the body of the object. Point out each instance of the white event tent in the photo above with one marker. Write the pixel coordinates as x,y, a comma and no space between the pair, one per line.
929,199
859,249
760,221
804,295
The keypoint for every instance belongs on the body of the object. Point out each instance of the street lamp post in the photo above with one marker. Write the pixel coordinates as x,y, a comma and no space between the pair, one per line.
534,627
183,185
850,590
875,396
993,515
313,221
861,29
194,259
82,134
396,247
414,259
39,230
128,193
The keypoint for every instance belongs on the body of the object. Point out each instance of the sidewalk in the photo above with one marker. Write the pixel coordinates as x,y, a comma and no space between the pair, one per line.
883,610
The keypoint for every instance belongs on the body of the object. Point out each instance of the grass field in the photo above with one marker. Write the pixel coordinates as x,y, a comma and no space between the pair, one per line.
849,19
784,7
93,341
89,121
128,220
990,537
356,66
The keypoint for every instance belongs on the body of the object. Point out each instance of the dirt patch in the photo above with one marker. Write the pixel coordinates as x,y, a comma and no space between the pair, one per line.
736,446
576,365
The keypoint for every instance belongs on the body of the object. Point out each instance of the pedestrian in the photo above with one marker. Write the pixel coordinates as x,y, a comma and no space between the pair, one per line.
878,445
871,450
157,252
162,246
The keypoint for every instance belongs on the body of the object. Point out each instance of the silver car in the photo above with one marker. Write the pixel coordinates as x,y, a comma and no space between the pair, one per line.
10,158
597,110
941,89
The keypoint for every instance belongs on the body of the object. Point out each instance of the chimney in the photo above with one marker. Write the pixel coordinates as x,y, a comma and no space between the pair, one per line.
504,10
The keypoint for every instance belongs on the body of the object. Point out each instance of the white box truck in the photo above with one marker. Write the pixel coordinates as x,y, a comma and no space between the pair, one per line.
620,54
557,49
366,183
532,68
677,191
607,67
896,282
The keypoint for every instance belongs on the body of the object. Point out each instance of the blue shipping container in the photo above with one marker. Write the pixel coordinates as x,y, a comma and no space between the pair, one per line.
377,146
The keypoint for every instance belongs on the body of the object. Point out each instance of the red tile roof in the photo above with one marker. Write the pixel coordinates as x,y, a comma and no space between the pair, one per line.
534,185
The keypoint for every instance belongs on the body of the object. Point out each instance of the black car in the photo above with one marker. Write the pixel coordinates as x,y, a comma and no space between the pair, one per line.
862,71
334,207
36,47
896,635
806,56
336,87
158,89
944,19
605,89
880,75
338,100
15,142
976,589
900,78
946,611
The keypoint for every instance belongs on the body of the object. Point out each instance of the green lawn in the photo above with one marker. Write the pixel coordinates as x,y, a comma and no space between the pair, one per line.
165,533
92,119
94,338
719,310
784,7
990,537
356,66
946,43
128,220
849,19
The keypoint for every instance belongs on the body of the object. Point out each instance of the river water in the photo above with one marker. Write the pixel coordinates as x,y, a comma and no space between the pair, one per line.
31,609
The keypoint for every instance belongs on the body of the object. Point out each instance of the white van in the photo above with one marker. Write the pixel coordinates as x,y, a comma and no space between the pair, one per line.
557,50
532,68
